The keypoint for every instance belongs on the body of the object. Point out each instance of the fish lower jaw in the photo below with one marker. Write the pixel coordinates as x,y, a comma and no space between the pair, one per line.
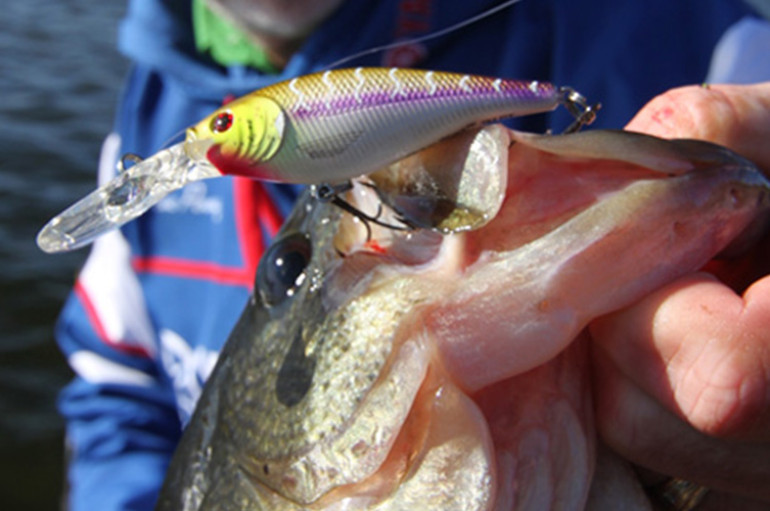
442,459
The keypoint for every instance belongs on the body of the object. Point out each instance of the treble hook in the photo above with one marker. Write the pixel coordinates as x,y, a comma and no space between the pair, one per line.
331,193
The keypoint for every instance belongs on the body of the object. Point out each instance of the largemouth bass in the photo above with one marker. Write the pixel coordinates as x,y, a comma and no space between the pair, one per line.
442,367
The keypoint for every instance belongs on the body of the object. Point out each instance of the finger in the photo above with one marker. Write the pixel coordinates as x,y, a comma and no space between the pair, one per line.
736,116
637,427
701,350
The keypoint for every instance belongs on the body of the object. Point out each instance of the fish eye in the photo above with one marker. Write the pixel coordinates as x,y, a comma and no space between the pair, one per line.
282,267
222,122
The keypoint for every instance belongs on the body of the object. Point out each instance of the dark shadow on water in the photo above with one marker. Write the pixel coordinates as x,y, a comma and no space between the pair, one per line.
59,83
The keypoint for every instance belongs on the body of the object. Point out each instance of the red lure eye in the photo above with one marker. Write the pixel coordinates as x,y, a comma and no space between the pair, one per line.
222,122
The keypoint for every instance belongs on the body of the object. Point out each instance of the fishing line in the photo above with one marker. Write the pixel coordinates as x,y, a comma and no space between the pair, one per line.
178,135
442,32
135,158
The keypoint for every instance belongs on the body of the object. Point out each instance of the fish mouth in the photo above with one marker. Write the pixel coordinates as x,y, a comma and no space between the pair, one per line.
523,286
521,283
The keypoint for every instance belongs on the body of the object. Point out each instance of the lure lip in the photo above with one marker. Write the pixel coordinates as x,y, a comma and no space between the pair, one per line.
196,149
124,198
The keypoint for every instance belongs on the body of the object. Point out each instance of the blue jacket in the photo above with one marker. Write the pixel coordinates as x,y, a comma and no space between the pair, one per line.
155,301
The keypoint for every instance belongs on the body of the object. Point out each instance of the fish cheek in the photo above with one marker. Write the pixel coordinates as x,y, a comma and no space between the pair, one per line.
295,375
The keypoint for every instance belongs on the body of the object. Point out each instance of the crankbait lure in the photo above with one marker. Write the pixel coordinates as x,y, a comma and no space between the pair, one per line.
327,127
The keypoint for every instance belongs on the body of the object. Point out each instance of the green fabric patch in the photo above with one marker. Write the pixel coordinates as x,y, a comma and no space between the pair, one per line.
226,43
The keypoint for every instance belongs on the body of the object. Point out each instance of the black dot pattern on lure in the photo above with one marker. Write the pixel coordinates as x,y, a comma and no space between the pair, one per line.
222,122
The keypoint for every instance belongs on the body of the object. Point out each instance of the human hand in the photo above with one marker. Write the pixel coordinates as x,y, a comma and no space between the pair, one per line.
682,378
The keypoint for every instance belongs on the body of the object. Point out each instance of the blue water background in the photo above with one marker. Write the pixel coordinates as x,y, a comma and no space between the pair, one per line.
59,81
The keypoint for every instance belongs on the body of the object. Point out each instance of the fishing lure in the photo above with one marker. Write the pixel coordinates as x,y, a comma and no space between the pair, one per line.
327,127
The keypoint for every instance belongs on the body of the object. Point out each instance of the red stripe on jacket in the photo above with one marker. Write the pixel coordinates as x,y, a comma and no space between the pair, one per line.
255,216
98,326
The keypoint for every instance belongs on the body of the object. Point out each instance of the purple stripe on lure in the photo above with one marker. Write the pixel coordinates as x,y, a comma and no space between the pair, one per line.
506,90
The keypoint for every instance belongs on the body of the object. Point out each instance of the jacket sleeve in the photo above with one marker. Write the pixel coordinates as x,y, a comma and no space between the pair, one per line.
122,422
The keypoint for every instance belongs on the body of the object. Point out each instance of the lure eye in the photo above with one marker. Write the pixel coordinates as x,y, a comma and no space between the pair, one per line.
282,267
222,122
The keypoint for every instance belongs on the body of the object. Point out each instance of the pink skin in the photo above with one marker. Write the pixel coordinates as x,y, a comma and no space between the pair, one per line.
682,378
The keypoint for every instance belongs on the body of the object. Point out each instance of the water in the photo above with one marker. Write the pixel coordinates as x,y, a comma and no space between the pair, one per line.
59,80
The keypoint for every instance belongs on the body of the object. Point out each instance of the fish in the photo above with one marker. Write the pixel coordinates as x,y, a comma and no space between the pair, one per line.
326,127
445,366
